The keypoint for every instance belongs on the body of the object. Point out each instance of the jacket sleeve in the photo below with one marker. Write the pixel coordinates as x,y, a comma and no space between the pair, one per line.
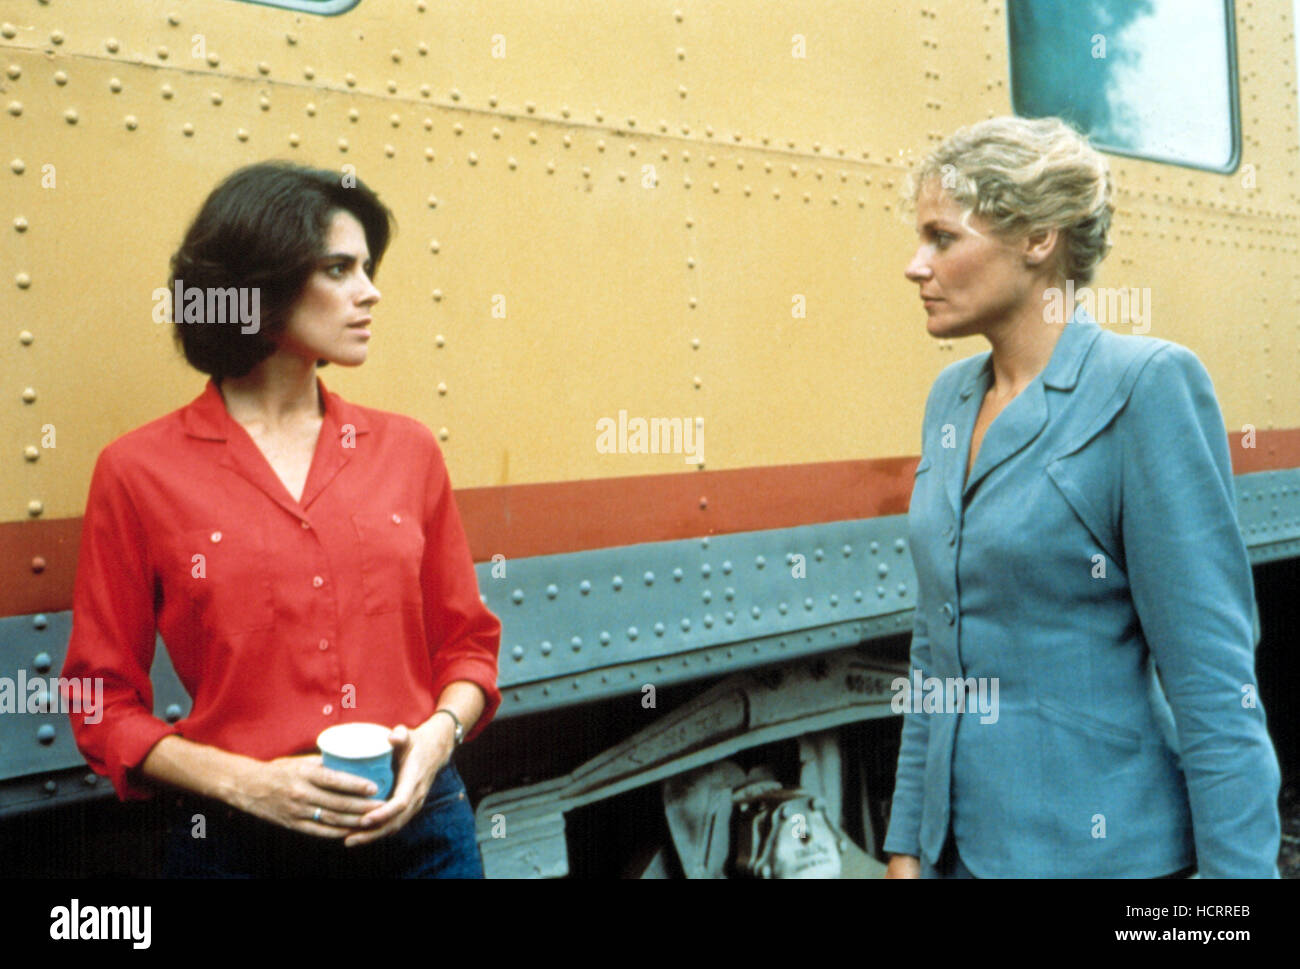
904,835
113,633
464,636
1194,595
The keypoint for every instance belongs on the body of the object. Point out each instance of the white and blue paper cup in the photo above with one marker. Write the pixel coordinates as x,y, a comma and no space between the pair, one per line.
361,749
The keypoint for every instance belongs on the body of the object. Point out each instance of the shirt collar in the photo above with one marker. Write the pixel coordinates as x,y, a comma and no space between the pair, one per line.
206,416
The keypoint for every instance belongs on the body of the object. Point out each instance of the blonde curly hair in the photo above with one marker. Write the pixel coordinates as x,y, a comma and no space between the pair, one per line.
1022,174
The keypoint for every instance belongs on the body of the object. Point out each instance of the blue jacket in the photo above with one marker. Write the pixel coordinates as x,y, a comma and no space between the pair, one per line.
1094,566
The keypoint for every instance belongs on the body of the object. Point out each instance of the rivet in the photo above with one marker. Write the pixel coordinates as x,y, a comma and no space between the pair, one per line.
546,647
530,107
216,97
699,382
631,632
29,395
659,630
91,779
14,72
293,139
264,103
550,168
783,608
617,582
511,163
649,578
23,280
492,98
40,620
42,663
899,545
496,132
343,144
729,593
8,31
695,343
15,108
70,116
686,625
396,55
434,246
26,337
473,158
439,340
576,643
263,68
45,735
517,652
584,587
756,612
604,638
353,115
455,94
517,596
166,91
726,567
172,713
693,302
56,37
443,434
241,134
50,787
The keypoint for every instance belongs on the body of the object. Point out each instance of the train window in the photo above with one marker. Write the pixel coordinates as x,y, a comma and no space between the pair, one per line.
1154,79
309,6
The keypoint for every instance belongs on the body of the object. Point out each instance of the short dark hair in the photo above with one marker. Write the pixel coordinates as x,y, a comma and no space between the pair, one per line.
265,227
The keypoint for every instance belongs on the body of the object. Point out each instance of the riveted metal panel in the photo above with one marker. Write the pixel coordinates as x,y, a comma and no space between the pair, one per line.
1268,505
663,607
32,650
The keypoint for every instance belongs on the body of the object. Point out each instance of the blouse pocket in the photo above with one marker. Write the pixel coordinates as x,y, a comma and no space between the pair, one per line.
392,551
223,573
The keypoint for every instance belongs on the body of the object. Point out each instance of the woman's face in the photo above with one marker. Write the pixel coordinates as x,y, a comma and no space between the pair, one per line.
331,320
970,280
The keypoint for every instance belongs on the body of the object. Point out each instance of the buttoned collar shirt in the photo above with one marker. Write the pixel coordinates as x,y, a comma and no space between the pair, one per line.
358,602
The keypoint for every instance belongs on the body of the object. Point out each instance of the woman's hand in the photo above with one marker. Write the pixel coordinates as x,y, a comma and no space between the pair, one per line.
903,866
289,791
422,752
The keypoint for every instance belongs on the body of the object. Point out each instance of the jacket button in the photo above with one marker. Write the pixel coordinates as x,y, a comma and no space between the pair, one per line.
327,709
318,582
397,519
306,525
216,536
947,612
324,644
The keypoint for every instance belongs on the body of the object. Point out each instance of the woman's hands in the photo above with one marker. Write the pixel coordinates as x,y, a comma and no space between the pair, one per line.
288,791
903,866
421,753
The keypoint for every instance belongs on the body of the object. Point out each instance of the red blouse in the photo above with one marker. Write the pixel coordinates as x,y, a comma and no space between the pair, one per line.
282,617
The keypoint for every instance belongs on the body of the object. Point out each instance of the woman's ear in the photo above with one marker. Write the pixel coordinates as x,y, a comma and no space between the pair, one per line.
1039,245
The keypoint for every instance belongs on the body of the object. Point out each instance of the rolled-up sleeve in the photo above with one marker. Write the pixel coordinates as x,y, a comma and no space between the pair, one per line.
113,633
1194,595
464,636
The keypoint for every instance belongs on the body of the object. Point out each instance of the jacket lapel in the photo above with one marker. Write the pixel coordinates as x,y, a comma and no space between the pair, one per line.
1025,417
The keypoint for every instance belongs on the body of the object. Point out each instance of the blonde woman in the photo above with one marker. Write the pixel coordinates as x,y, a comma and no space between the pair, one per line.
1074,531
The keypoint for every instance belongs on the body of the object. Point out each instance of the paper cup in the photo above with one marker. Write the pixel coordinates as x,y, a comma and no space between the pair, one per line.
361,749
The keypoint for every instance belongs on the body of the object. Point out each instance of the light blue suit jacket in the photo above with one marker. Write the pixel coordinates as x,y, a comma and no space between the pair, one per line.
1093,564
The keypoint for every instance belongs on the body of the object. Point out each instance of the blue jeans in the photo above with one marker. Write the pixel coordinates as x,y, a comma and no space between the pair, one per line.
439,842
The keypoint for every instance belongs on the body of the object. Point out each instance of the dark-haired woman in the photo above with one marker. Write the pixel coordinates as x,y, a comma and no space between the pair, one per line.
301,557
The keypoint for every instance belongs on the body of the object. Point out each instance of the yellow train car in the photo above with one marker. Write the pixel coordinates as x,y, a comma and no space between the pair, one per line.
647,290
